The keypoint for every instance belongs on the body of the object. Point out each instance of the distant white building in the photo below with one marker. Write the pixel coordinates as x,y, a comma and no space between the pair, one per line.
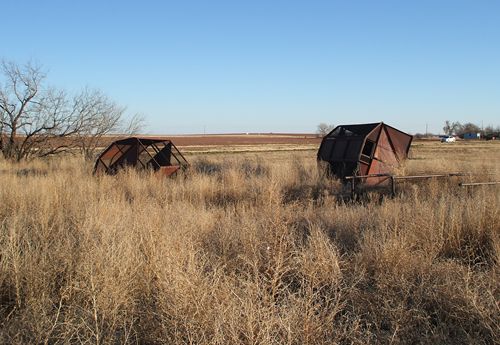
472,135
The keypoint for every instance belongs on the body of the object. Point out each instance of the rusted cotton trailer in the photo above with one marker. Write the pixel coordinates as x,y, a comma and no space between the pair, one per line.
364,149
157,154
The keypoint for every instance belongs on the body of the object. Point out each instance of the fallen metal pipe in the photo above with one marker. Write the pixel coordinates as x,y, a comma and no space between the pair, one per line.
429,176
479,183
365,176
394,178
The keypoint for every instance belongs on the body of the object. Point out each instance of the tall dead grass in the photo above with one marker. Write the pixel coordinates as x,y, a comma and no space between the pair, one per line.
244,251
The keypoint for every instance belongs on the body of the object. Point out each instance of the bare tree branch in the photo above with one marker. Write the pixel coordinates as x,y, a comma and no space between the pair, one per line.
324,128
96,115
36,121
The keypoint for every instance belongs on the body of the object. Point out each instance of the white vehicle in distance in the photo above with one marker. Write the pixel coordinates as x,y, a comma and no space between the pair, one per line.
448,139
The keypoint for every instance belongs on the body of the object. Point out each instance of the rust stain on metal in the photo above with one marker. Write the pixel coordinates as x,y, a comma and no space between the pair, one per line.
364,149
157,154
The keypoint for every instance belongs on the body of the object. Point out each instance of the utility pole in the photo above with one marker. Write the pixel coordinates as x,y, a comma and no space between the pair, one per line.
426,130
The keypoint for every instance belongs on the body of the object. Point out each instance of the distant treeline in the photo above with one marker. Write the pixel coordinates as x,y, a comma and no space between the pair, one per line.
458,129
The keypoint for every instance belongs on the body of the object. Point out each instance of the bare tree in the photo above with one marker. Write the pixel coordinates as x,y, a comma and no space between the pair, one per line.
470,127
2,130
324,129
32,117
448,128
451,128
134,124
36,121
97,116
490,130
17,95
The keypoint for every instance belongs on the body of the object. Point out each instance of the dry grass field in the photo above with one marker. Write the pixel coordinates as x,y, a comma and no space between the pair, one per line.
250,248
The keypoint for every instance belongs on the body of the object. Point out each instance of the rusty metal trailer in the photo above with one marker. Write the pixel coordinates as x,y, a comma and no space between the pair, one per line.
364,149
158,154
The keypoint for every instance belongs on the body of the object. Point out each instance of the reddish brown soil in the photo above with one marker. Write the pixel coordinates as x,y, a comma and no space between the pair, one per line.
237,139
244,140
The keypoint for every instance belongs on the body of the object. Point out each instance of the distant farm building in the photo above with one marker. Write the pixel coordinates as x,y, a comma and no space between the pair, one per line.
364,149
157,154
472,135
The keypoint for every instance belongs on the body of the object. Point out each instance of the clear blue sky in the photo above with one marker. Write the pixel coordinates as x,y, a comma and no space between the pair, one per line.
270,66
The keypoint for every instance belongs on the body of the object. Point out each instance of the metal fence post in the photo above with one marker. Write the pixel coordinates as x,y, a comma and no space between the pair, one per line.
352,188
